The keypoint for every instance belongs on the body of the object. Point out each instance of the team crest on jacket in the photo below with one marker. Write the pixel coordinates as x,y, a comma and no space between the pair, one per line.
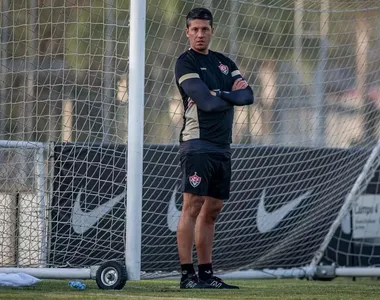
223,68
195,180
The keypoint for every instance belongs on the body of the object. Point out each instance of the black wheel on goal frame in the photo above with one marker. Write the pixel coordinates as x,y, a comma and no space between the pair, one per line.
111,276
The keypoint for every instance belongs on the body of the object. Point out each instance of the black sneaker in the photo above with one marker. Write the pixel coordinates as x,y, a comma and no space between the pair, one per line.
217,283
193,282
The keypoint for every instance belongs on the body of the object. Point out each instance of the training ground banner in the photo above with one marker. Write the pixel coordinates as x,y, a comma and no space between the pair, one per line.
282,204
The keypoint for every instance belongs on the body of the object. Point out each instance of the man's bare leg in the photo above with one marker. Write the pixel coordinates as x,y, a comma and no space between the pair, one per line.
191,208
204,238
204,234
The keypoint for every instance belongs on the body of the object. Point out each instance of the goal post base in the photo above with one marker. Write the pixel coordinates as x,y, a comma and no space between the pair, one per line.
322,273
330,272
357,272
327,272
301,272
56,273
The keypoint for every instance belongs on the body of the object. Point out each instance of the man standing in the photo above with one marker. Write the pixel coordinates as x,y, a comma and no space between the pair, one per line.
210,85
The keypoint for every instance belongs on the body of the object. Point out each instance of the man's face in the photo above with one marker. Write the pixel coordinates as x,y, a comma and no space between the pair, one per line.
199,33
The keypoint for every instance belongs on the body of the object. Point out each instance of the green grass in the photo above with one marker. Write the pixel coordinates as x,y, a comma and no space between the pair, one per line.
164,289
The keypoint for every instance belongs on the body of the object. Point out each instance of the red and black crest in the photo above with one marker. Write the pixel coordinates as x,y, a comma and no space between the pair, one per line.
195,180
223,68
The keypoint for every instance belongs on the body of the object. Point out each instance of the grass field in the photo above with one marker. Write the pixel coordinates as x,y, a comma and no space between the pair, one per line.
164,289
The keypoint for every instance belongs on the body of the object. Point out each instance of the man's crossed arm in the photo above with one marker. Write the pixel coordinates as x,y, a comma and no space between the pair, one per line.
209,101
240,95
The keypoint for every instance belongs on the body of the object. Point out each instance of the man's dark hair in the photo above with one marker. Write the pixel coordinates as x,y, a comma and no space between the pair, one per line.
199,13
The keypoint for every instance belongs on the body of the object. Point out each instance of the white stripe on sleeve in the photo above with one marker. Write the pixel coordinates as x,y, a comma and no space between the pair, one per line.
188,76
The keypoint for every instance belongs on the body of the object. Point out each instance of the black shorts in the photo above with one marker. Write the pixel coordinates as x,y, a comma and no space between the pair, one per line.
206,174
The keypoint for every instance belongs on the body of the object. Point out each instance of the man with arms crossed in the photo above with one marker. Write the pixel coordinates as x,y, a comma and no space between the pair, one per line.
210,85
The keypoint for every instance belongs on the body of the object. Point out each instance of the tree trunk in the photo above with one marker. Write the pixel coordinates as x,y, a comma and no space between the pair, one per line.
3,68
366,105
267,76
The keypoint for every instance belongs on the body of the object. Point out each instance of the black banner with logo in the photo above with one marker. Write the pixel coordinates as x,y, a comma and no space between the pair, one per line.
346,250
282,204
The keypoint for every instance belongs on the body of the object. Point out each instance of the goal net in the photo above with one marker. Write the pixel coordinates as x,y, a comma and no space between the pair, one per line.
22,204
305,155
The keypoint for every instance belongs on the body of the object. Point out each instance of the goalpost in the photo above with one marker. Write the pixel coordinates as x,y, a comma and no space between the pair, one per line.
90,117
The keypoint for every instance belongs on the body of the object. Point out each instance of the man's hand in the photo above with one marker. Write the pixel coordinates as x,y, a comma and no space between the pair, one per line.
239,84
213,93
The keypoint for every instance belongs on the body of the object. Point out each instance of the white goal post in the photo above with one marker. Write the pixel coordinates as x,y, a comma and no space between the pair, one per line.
90,117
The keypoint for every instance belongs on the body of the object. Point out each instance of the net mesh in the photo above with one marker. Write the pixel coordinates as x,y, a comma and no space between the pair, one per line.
22,219
297,151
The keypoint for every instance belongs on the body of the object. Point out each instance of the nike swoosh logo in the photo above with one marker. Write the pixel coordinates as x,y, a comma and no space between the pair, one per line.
266,221
173,214
83,221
